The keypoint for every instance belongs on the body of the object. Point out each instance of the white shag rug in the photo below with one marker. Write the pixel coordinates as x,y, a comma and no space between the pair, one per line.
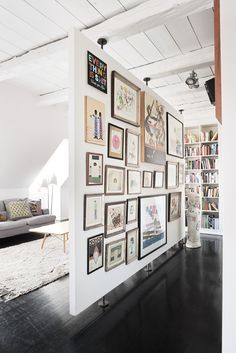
25,267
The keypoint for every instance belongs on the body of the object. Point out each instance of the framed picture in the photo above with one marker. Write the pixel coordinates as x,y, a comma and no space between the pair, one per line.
114,180
158,179
174,206
132,149
95,253
115,221
153,130
93,211
181,173
133,181
95,122
175,136
124,99
172,175
115,142
131,245
147,179
132,211
115,254
97,72
152,223
94,168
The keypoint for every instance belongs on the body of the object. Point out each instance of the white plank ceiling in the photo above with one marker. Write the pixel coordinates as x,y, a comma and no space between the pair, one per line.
28,24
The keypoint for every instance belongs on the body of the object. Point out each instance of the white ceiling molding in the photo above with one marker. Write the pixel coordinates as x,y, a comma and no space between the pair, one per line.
145,16
58,97
177,64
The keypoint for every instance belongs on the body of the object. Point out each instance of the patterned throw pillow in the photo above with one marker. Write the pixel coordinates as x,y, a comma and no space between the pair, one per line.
3,216
35,207
18,209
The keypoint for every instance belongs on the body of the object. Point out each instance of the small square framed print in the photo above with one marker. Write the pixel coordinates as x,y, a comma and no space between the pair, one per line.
115,142
132,149
115,220
131,245
172,177
94,168
147,179
93,211
133,181
114,180
115,254
95,253
159,179
132,211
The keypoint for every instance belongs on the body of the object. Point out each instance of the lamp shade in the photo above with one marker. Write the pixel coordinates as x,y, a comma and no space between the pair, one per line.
53,180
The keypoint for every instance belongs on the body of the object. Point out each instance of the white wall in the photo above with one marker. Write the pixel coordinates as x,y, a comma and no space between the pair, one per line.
228,60
29,135
86,289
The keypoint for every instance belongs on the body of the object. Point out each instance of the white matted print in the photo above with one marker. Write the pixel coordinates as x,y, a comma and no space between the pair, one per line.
147,179
114,180
132,148
133,181
175,144
115,221
115,254
131,245
132,211
172,175
94,211
158,179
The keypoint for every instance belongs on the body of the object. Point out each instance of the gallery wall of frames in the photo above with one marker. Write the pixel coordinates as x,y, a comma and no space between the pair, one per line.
126,171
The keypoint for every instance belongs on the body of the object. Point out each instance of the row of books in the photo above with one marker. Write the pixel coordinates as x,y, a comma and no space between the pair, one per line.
210,222
210,177
209,191
209,206
209,163
207,136
196,164
192,151
207,150
191,138
194,188
193,178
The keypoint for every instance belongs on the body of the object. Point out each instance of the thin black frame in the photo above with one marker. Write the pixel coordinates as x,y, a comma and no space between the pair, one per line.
179,209
147,187
105,218
102,247
85,213
88,78
177,175
127,206
139,216
167,128
105,184
126,247
163,179
126,148
110,126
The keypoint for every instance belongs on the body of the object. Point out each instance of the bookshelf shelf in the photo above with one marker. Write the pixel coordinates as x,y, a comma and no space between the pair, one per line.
205,152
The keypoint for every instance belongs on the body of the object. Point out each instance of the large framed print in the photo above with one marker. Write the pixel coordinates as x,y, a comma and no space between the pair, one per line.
115,254
97,73
175,136
95,122
115,142
115,221
131,245
152,223
94,168
95,253
153,130
124,100
133,182
114,180
132,211
93,211
158,179
174,209
172,180
132,149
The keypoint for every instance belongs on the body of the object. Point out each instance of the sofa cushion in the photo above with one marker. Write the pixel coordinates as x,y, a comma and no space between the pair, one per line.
35,207
2,206
41,220
12,224
18,209
3,216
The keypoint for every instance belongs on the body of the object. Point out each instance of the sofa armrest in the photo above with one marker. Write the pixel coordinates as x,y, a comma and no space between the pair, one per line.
45,211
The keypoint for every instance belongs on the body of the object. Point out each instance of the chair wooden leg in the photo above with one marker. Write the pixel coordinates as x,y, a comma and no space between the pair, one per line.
64,242
44,239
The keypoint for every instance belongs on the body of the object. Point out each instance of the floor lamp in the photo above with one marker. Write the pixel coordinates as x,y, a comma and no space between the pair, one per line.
53,182
45,185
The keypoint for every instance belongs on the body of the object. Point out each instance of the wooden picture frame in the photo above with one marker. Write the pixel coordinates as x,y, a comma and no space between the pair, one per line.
132,146
115,142
115,218
95,132
124,99
175,136
131,245
133,182
93,209
119,251
172,175
174,206
95,249
117,185
132,211
147,179
152,223
157,174
94,168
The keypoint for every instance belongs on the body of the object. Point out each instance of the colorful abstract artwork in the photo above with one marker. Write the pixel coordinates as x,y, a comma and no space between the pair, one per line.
97,73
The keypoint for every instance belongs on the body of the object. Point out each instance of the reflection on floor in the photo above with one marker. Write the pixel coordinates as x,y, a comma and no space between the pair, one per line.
176,309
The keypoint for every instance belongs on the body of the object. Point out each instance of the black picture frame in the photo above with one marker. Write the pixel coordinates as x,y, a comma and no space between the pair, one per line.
143,184
88,252
110,204
176,164
102,85
109,153
179,195
136,213
170,116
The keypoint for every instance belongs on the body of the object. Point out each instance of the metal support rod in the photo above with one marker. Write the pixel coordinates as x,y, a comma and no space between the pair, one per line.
148,268
103,303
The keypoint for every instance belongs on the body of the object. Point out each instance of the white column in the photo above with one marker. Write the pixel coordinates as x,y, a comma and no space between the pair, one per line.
228,60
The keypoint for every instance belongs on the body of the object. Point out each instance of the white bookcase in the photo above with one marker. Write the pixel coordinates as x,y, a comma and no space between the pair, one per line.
202,173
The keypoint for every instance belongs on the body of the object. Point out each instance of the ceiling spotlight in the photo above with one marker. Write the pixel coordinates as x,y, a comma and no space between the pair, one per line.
192,80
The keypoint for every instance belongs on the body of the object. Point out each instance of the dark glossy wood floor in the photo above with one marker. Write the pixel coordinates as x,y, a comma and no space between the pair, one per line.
176,309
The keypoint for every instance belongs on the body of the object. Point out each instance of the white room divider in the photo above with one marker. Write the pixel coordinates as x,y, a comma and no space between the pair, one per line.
85,288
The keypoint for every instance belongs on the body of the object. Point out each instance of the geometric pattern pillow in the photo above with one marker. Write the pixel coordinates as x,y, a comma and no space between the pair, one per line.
35,207
18,209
